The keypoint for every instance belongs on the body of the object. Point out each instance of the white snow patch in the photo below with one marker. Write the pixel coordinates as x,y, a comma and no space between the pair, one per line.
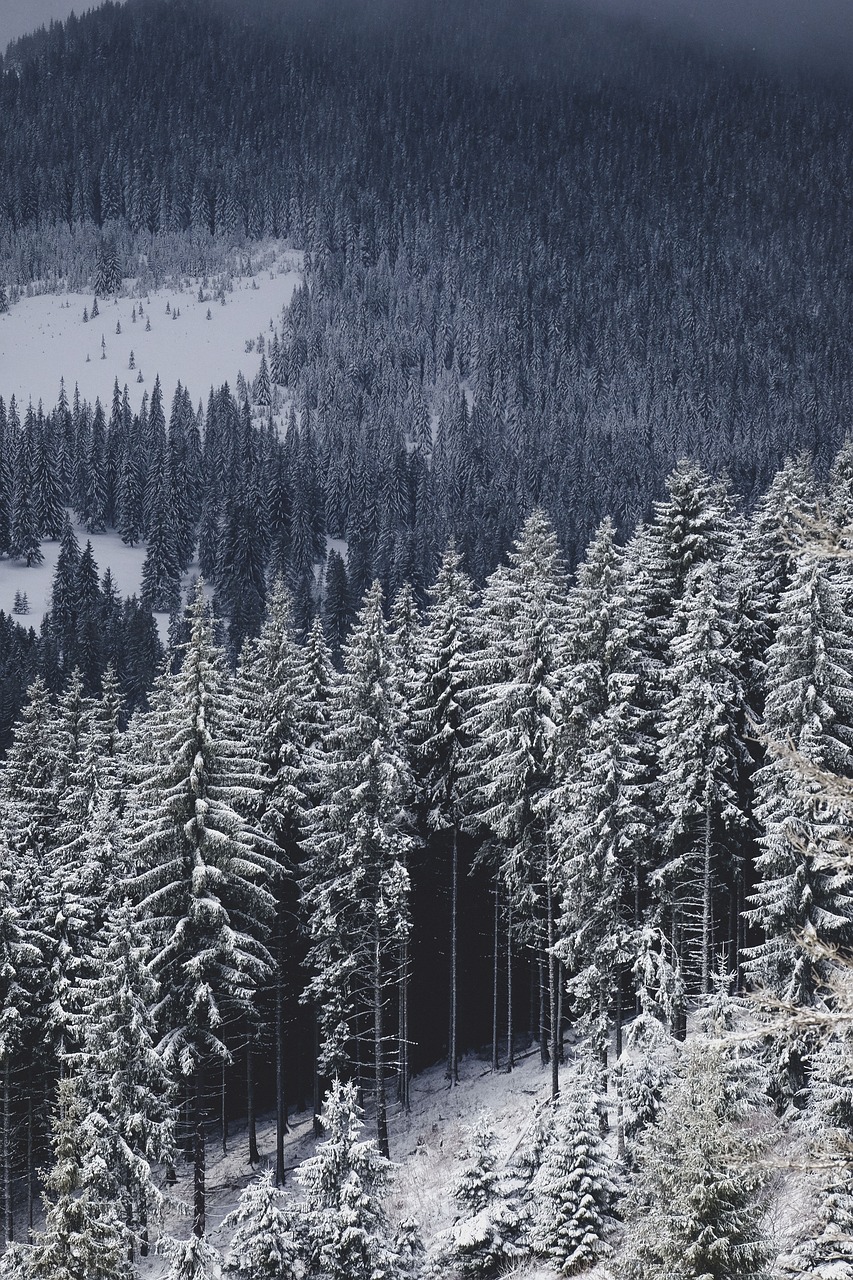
44,338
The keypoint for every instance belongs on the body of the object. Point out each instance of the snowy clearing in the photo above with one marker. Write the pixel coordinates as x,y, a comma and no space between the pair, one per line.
198,343
425,1145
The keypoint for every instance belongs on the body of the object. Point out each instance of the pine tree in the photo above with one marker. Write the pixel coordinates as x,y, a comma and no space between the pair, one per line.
264,1245
203,879
124,1082
194,1259
703,760
573,1191
808,715
82,1238
486,1238
441,739
696,1209
512,765
347,1234
357,836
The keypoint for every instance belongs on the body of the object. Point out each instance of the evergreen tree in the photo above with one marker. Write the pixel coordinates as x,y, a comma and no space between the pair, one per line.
696,1209
357,839
512,765
573,1191
82,1238
441,740
346,1233
702,760
808,717
203,877
264,1245
486,1238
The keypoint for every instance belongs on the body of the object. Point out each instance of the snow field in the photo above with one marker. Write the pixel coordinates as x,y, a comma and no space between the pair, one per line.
44,338
425,1146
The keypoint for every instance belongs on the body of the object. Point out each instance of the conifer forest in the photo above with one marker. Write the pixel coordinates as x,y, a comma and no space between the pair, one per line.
482,718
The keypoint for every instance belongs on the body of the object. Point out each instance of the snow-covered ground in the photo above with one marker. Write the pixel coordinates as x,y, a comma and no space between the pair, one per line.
198,343
125,564
425,1145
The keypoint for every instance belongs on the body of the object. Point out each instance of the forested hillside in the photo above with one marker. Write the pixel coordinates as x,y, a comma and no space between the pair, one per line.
505,703
622,251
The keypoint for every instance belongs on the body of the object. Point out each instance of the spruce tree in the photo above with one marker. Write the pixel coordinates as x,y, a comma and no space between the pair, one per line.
203,879
572,1193
265,1243
696,1210
357,836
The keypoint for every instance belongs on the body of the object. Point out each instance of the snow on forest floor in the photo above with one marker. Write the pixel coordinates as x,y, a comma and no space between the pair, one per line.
44,338
425,1146
36,582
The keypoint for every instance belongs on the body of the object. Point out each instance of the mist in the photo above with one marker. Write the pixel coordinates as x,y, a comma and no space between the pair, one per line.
816,33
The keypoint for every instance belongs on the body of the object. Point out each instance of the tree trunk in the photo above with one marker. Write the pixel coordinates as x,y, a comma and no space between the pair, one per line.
318,1097
378,1059
543,1033
223,1113
403,1029
552,995
495,1056
251,1118
561,982
706,906
280,1102
620,1114
7,1155
510,1048
452,1053
30,1165
199,1158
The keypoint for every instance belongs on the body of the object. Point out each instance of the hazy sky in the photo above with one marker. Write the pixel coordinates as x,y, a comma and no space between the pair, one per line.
811,30
18,17
799,30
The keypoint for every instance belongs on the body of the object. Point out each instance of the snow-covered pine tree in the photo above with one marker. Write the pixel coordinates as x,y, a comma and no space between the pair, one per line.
265,1244
486,1239
357,887
203,876
82,1237
703,759
511,768
603,826
346,1234
23,952
573,1191
808,714
696,1210
439,731
194,1259
270,707
123,1080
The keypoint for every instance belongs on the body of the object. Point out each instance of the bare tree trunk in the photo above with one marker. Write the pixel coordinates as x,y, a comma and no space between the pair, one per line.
280,1105
223,1113
452,1053
510,1048
495,1056
251,1118
706,906
543,1033
620,1113
7,1155
378,1060
199,1158
30,1196
552,995
561,982
318,1097
403,1029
